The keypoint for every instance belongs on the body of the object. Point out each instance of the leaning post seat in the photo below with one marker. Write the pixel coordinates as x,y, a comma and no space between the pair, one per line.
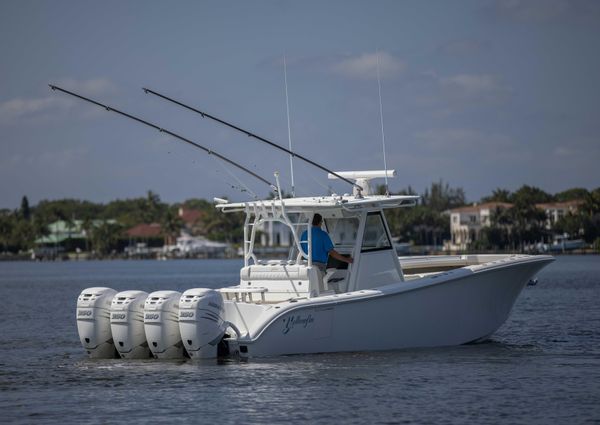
274,282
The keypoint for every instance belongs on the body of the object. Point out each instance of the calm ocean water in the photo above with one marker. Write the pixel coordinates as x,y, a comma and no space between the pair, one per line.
542,366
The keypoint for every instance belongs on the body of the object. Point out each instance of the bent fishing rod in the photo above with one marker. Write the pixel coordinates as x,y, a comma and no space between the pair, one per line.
250,134
170,133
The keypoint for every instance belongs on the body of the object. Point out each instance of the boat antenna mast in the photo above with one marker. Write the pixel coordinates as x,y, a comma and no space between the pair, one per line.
287,108
255,136
387,188
170,133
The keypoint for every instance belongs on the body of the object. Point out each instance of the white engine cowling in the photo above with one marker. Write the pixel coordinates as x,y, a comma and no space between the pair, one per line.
161,322
93,322
201,322
127,324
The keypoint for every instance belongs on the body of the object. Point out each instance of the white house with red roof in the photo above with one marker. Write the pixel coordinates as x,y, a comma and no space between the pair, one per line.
466,223
557,210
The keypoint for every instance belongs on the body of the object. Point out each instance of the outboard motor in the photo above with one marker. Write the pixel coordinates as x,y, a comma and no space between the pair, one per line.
201,322
93,322
161,322
127,324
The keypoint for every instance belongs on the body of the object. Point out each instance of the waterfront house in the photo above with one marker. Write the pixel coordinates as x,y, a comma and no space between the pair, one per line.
556,210
466,223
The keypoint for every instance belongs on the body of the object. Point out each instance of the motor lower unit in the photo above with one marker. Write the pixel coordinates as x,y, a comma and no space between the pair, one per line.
93,322
201,322
161,324
127,324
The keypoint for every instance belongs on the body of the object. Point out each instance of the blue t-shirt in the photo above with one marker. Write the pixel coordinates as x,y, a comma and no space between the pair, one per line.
321,244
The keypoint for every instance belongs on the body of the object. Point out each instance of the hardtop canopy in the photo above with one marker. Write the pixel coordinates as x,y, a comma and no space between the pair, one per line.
306,204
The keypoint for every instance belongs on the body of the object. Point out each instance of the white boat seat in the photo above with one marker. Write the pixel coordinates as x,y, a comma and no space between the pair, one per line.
273,272
281,281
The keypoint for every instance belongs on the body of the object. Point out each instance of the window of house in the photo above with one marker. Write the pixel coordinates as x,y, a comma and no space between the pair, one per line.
375,236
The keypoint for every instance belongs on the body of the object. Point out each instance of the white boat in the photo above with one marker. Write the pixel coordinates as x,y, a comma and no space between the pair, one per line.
379,302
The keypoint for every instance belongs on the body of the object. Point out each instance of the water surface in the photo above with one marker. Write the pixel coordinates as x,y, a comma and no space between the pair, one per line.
542,366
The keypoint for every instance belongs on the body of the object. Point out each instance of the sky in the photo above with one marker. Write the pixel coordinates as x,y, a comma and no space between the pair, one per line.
481,94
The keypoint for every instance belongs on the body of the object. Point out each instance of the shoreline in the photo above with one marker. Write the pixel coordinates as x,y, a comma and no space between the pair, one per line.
82,257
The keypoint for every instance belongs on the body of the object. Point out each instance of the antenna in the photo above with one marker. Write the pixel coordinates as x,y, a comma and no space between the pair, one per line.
287,107
387,188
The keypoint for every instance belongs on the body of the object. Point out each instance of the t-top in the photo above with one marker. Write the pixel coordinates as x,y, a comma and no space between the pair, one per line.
321,244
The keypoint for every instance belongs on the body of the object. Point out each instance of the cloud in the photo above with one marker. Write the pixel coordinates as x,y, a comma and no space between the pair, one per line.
464,47
17,110
96,86
532,10
565,151
583,148
461,140
453,93
364,66
361,66
58,158
474,86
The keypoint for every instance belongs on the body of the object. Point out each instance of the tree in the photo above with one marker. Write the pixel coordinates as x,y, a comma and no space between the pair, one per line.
40,227
105,237
571,194
198,204
171,225
420,224
571,224
591,203
586,221
442,197
528,222
530,195
23,235
88,228
154,208
498,235
25,211
498,195
223,227
6,230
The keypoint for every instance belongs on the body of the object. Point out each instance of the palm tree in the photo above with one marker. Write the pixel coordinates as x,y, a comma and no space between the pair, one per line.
170,226
152,207
6,229
106,236
87,227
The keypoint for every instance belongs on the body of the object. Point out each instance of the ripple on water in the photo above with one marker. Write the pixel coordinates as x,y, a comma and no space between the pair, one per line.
541,367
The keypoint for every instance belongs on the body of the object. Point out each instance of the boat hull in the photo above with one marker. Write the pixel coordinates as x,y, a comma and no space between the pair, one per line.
452,308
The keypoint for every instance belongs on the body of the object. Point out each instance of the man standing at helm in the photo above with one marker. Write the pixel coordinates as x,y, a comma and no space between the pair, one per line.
321,245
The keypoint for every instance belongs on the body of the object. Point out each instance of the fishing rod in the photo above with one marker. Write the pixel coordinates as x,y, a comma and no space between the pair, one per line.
170,133
249,134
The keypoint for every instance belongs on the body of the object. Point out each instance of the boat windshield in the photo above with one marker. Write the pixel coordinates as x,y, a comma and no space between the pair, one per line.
342,231
376,236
